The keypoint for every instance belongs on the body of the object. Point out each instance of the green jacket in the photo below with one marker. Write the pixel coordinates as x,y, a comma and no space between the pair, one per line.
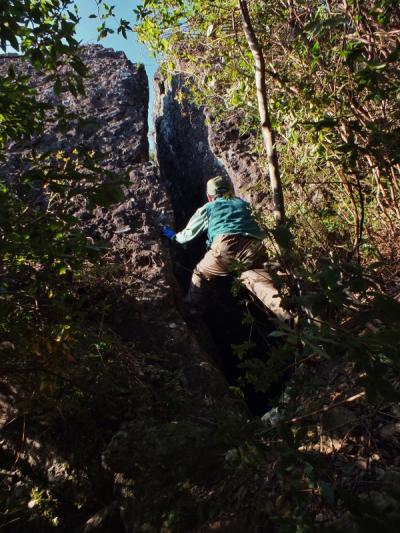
223,216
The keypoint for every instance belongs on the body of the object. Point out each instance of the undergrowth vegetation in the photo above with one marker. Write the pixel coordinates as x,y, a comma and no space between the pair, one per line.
44,252
331,72
331,460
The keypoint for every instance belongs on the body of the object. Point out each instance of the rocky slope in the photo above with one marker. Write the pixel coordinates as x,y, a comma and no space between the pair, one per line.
110,118
139,433
81,456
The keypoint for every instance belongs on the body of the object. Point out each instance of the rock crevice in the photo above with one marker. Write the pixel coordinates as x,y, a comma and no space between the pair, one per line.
86,445
192,148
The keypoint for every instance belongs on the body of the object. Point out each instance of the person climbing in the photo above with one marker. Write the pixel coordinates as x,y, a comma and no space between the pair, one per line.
233,237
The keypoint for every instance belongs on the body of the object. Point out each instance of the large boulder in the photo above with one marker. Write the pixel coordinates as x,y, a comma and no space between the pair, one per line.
111,117
191,148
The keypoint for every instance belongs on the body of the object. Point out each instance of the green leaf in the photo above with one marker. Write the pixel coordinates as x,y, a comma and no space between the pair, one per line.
37,58
79,66
106,194
11,71
277,334
241,350
72,87
57,86
315,49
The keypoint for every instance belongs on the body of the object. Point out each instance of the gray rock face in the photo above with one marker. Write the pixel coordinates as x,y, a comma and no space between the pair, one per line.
233,150
183,152
159,354
191,149
113,111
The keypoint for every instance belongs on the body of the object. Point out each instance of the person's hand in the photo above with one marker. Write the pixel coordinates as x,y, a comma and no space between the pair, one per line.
168,232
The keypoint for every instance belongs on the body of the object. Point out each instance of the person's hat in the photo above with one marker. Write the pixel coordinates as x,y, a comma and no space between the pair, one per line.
218,185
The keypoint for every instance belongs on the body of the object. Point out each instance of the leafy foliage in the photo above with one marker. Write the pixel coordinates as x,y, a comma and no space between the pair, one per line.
333,92
45,257
43,250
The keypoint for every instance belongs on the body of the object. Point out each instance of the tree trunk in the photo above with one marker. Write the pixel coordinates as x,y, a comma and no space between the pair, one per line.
265,120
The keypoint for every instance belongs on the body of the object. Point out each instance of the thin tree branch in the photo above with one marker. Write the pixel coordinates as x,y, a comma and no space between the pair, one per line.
263,108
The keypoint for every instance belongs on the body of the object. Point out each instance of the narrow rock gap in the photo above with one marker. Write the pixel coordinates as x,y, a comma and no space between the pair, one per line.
224,322
186,161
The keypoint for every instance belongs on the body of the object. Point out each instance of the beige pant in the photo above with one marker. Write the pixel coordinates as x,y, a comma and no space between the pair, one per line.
259,282
220,260
226,251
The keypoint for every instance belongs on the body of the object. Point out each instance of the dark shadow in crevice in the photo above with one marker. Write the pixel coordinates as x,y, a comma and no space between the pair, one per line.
225,321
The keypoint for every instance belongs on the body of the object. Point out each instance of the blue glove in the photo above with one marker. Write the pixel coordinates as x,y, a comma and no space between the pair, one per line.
168,232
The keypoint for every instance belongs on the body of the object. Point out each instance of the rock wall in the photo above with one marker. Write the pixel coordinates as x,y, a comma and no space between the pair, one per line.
183,153
191,148
234,151
158,379
111,116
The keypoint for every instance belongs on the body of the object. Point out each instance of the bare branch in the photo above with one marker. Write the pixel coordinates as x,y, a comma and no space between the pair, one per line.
265,120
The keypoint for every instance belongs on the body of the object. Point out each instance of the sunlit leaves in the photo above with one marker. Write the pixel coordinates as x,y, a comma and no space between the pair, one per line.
322,75
105,15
